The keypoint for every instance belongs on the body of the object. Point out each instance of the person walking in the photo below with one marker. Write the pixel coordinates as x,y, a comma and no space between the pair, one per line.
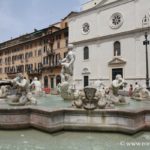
131,90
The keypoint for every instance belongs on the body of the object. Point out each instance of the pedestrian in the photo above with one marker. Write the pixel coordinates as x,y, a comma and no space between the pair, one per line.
131,90
136,85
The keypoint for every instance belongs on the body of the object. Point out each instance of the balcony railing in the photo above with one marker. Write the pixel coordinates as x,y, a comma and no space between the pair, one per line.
45,66
35,71
51,66
12,72
22,61
50,52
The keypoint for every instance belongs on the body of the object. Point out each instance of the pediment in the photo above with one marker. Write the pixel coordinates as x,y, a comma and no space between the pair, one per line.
117,61
85,71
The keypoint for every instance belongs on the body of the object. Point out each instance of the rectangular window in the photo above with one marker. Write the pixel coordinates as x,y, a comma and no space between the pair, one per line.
35,53
58,44
44,60
0,70
26,55
86,53
1,61
39,66
39,52
35,66
57,58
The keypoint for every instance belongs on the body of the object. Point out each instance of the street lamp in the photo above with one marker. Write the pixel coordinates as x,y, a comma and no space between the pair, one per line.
145,23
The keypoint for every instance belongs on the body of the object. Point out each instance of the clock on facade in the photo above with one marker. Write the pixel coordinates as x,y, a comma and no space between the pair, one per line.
85,28
116,20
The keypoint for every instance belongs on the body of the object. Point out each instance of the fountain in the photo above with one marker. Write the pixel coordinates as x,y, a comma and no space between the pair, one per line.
90,109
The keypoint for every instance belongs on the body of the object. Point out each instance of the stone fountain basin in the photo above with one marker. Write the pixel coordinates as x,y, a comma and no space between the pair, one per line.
54,120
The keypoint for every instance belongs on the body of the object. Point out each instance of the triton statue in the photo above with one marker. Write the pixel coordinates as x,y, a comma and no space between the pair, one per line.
23,95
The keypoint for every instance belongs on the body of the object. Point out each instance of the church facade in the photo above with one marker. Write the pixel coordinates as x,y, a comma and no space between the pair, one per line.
108,40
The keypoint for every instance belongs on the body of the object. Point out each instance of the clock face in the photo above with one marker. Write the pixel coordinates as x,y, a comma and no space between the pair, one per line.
116,20
85,28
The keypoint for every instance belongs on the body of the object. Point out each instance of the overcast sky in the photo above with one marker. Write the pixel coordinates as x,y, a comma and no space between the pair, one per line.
18,17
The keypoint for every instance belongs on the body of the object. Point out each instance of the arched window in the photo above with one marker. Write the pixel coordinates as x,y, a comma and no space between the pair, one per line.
45,82
117,48
86,53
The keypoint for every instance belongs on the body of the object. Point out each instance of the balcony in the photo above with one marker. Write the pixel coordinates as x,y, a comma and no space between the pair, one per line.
11,72
12,75
50,66
50,52
34,72
45,66
58,65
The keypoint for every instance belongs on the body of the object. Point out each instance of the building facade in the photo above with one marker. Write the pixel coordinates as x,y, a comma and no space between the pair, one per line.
109,41
36,54
56,49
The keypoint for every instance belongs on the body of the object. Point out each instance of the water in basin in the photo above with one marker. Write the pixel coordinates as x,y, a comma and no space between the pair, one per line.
55,101
36,140
50,101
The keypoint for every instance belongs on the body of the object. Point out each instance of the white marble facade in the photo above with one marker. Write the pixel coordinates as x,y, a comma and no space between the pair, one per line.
98,29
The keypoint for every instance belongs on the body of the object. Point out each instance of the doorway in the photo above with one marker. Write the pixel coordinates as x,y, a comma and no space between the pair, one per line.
52,83
117,71
45,82
86,81
58,79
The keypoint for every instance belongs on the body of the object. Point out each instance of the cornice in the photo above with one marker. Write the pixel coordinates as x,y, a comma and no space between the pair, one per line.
100,8
33,39
130,32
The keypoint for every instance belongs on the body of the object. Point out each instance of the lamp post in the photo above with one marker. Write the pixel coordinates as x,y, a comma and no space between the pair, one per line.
145,22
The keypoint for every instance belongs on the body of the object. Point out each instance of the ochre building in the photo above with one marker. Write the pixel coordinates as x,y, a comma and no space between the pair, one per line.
36,54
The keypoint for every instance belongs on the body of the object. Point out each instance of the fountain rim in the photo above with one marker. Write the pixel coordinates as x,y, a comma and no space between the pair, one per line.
54,120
